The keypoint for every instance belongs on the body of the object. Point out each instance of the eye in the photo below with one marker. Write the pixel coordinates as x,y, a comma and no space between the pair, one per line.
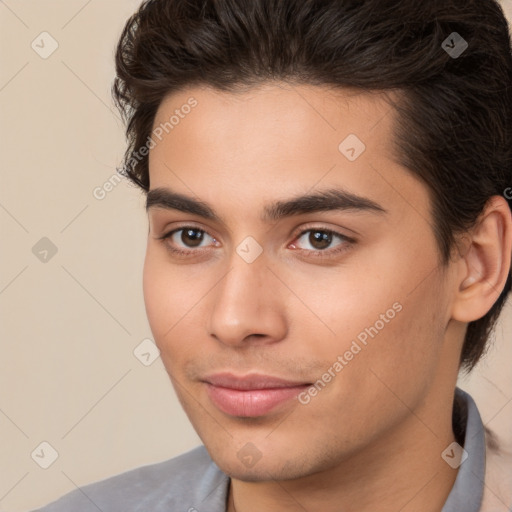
189,236
321,240
189,240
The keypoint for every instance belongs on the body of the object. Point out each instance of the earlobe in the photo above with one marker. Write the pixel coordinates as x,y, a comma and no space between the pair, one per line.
485,266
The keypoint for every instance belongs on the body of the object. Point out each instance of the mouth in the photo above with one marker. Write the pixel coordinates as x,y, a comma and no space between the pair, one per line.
250,395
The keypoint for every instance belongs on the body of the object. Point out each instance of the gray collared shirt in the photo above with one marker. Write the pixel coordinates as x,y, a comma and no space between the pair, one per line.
192,482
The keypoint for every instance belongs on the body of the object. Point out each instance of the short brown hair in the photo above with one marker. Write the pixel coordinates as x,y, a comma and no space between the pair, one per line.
454,127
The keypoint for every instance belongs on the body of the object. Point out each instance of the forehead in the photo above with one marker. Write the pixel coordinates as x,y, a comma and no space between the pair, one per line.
278,139
257,116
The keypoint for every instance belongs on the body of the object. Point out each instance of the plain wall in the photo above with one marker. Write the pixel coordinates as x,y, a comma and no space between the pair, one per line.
69,326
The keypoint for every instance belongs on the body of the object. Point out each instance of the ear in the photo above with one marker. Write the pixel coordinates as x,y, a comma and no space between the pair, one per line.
485,264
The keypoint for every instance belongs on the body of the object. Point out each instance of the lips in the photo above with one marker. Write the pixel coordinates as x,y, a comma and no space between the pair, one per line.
250,395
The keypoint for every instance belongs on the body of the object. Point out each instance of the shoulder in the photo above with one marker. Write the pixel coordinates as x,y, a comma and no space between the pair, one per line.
186,480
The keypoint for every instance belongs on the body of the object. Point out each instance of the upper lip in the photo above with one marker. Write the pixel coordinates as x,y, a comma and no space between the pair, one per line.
250,381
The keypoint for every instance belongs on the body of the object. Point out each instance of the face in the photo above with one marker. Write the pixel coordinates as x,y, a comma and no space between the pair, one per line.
294,329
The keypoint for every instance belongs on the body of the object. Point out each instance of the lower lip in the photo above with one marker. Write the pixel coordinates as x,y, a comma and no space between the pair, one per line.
252,402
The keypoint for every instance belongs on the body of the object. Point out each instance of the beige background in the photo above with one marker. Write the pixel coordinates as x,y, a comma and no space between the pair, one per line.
68,374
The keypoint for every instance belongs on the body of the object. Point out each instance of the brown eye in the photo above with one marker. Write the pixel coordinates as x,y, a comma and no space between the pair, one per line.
187,240
320,239
191,237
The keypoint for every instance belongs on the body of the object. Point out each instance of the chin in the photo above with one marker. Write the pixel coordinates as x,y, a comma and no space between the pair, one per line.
269,467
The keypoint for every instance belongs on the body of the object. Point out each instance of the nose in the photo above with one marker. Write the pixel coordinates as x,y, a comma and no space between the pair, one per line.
247,305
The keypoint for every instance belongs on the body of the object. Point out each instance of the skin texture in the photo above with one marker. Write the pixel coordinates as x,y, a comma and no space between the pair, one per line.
372,437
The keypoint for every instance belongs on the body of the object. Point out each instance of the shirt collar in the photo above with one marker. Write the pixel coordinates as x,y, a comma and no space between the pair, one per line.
467,491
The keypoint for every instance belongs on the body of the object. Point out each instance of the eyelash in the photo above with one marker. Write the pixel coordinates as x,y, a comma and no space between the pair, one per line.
346,242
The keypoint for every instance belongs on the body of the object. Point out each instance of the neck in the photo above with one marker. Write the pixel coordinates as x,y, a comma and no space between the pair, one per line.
401,470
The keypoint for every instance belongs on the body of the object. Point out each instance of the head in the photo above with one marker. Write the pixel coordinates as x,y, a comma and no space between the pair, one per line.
389,276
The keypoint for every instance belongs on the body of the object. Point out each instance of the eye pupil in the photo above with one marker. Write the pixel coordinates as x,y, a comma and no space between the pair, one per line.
195,238
321,237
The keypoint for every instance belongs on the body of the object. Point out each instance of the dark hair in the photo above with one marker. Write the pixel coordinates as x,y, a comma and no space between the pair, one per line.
454,112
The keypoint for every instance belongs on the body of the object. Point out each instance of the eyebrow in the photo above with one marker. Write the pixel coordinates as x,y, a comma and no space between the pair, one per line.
320,201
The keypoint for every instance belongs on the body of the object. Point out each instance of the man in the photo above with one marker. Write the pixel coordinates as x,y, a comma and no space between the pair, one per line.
329,244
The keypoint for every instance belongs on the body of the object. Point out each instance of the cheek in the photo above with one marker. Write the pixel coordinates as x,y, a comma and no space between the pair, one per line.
360,302
172,297
387,324
402,358
156,299
378,381
164,297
